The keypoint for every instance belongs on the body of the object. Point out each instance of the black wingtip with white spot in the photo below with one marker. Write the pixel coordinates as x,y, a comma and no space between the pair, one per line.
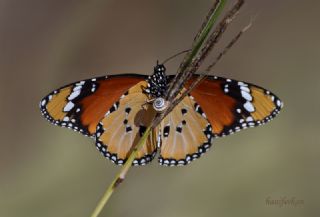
242,89
72,109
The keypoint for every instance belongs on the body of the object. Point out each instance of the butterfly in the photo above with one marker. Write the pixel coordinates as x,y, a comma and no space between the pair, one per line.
116,110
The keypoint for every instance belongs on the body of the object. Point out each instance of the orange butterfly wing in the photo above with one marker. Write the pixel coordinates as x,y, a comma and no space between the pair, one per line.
216,107
123,126
81,105
232,105
184,134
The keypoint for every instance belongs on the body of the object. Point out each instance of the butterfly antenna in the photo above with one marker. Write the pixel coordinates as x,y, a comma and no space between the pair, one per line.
170,58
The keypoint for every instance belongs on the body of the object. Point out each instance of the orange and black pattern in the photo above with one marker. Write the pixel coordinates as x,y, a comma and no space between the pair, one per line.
116,111
81,105
123,126
232,105
184,134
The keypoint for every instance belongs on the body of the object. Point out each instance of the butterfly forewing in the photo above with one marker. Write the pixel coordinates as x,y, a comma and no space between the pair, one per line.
81,105
232,105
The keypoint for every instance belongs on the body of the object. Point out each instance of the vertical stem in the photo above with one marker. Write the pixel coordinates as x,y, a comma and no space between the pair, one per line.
204,33
121,175
199,40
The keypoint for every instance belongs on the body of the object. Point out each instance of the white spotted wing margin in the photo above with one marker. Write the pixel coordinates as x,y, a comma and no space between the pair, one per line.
123,126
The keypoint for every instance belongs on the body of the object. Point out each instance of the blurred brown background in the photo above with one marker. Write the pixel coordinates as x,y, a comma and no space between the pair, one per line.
51,171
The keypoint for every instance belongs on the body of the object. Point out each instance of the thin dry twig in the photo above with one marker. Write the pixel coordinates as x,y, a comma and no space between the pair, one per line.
218,58
202,34
216,35
210,43
194,65
174,56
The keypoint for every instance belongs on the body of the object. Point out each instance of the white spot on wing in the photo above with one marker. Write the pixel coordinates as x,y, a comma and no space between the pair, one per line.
249,119
43,102
76,88
279,103
246,95
68,107
66,118
240,83
248,106
272,98
246,89
80,83
74,94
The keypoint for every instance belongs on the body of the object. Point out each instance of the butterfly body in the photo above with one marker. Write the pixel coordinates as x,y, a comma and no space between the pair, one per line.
116,110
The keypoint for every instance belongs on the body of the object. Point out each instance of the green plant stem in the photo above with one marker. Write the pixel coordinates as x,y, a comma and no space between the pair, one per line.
121,175
204,33
204,75
198,42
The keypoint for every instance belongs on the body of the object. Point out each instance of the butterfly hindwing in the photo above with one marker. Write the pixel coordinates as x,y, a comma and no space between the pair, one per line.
232,105
185,134
123,126
81,105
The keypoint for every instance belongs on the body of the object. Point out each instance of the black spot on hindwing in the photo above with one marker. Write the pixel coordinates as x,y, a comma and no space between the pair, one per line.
166,131
142,129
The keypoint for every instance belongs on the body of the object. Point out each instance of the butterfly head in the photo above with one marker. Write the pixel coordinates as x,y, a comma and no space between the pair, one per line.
157,82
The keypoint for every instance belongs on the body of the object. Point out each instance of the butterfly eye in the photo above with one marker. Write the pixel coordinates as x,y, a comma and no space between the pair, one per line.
160,104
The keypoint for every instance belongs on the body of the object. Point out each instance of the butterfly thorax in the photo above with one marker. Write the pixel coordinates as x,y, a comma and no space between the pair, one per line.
157,88
157,82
